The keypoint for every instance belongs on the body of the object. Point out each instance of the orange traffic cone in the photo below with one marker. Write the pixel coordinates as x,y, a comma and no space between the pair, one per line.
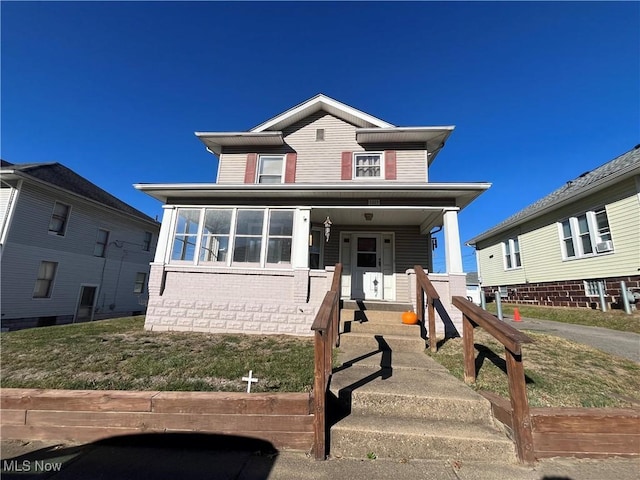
516,315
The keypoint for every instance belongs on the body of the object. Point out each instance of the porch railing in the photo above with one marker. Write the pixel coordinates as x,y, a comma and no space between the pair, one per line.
326,328
512,339
424,286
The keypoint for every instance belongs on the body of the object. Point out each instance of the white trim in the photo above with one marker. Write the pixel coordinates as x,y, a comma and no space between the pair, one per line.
592,230
354,233
511,241
354,169
283,158
9,214
316,103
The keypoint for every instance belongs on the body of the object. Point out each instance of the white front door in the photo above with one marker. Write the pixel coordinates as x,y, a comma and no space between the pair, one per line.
367,279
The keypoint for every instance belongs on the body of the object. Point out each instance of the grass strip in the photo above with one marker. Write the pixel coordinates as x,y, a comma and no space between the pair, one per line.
120,355
559,373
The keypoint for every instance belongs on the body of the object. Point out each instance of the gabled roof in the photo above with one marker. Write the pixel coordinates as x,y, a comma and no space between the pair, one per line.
62,178
370,129
329,105
618,169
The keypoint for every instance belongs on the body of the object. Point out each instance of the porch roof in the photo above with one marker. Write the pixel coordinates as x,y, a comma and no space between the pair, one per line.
461,193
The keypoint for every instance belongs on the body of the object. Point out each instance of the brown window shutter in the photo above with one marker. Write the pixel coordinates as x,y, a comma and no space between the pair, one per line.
250,170
390,165
347,165
290,168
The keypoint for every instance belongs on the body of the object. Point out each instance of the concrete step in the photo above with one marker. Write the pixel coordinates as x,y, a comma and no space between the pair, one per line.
378,316
363,356
376,305
383,342
417,393
405,438
388,328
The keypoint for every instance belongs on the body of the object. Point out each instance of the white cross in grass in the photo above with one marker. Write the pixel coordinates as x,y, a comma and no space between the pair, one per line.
249,380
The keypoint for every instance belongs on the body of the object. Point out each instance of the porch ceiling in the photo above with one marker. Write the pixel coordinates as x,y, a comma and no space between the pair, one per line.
425,218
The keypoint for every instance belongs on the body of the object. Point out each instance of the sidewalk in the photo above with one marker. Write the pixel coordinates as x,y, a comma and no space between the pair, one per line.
622,344
111,461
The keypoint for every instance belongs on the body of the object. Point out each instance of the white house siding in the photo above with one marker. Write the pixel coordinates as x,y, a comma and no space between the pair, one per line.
29,243
541,251
320,161
7,197
226,300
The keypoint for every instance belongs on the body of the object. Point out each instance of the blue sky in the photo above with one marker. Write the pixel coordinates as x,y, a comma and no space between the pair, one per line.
539,92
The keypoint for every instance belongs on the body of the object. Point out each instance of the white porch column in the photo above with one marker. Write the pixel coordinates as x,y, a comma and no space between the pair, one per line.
300,241
164,237
452,251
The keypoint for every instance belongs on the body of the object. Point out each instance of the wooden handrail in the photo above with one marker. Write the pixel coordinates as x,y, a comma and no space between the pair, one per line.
512,339
507,335
326,327
424,285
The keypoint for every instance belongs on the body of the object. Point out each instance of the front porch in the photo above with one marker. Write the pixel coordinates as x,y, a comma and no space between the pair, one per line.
257,259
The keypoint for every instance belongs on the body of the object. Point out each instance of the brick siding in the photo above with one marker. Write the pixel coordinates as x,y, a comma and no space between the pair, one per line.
567,293
234,301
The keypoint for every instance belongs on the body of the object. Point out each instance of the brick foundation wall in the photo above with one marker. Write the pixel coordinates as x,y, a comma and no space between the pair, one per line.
234,301
567,293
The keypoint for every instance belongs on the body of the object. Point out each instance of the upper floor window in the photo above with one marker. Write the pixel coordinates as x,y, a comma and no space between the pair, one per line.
146,241
101,243
44,281
270,168
59,219
512,253
367,165
586,234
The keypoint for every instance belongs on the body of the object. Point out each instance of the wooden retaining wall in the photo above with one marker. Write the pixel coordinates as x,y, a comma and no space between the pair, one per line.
284,419
577,432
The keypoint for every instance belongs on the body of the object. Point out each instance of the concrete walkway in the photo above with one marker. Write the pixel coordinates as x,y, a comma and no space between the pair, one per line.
622,344
123,462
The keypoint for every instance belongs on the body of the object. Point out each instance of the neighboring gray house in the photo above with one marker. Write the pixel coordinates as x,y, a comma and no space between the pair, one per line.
563,248
70,251
318,184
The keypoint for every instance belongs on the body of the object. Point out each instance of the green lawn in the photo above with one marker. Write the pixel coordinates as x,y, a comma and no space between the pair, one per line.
560,373
119,354
613,319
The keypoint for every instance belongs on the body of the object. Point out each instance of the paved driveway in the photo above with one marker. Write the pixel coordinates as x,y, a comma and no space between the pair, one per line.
623,344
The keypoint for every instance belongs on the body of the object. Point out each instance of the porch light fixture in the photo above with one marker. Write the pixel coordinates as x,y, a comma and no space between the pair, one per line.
327,228
368,216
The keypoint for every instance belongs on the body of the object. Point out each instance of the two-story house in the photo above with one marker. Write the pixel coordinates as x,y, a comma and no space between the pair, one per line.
571,246
71,252
319,184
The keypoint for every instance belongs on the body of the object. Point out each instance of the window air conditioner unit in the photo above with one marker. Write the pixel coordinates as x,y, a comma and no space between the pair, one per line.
604,246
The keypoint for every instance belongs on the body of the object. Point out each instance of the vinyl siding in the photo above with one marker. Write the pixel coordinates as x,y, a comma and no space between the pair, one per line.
320,161
29,243
541,250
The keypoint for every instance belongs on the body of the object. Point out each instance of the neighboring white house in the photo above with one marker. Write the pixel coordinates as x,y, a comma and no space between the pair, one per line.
319,184
70,251
561,249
